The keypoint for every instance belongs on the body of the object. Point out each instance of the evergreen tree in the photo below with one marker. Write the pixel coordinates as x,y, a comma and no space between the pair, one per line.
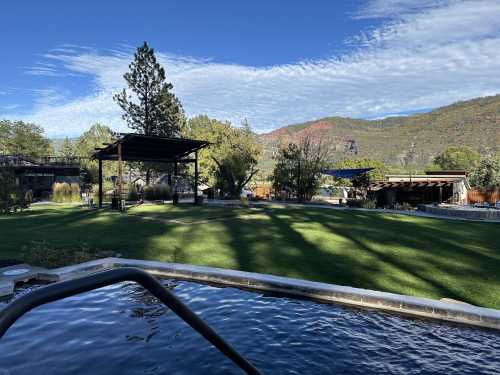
156,110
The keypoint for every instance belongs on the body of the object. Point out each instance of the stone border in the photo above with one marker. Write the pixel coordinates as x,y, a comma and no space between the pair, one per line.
420,307
464,213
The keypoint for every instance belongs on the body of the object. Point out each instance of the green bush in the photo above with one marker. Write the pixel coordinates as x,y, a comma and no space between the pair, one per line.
12,197
75,192
362,203
62,192
157,192
132,193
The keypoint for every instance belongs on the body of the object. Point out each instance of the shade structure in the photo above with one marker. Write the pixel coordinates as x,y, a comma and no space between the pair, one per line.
345,173
140,147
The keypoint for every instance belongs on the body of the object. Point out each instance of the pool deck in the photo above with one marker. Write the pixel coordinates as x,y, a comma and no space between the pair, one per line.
456,312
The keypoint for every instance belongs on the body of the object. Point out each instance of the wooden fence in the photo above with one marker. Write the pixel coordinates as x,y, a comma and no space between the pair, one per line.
477,196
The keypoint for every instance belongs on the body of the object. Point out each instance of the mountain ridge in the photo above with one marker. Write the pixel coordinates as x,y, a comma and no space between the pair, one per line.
401,140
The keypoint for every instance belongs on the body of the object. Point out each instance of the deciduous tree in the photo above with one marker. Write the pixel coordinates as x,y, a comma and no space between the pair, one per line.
231,160
20,138
486,175
457,158
84,146
298,168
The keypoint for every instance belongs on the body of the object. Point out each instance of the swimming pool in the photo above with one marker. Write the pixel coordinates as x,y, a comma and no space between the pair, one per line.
123,329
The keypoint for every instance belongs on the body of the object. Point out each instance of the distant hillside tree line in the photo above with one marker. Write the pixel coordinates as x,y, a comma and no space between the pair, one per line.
21,138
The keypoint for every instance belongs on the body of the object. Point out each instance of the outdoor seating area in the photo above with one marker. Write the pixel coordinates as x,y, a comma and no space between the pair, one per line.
141,148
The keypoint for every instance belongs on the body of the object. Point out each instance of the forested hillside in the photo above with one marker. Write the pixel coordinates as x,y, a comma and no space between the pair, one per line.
401,141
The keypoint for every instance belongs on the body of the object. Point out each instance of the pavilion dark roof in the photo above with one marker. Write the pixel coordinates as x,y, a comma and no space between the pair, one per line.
139,147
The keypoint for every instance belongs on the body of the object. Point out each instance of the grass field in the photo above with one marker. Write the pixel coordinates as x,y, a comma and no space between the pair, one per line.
395,253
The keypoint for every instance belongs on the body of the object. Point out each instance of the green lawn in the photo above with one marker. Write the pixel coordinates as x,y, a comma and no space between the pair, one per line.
402,254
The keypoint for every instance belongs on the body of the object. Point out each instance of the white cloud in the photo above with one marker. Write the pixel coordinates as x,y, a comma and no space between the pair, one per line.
9,107
429,53
396,8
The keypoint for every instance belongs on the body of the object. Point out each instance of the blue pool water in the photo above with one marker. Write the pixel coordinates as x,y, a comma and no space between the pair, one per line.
123,330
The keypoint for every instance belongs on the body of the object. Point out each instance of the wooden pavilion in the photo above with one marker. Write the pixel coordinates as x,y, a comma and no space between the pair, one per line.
139,147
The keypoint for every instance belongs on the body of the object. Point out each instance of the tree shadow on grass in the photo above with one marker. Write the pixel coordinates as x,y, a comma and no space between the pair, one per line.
275,247
455,260
417,256
97,230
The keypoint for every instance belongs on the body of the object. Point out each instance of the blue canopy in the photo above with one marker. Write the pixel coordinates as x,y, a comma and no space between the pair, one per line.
345,173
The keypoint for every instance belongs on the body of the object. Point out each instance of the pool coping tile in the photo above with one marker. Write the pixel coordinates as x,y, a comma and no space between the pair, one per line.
415,306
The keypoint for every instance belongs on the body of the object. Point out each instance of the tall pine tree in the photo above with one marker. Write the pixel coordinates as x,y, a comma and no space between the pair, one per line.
155,110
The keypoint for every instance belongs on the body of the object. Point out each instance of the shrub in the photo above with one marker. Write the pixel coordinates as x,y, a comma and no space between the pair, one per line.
11,195
62,192
132,193
157,192
362,203
149,193
75,192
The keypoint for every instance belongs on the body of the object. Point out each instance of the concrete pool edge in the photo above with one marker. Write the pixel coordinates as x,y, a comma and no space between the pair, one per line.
364,298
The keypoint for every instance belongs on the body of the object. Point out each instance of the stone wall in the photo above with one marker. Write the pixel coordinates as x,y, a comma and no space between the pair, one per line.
466,213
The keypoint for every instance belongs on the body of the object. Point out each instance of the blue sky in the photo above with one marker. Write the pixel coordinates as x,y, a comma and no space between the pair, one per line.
271,62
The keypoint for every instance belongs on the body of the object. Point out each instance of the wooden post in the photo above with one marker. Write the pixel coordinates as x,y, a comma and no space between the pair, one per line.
196,177
120,176
100,183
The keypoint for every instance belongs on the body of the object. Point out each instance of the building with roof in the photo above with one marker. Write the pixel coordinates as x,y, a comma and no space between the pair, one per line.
38,174
432,187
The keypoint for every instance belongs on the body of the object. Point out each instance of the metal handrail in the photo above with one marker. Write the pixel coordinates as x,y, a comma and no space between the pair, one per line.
63,289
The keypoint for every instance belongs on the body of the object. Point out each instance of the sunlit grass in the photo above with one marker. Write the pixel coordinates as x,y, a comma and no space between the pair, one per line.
395,253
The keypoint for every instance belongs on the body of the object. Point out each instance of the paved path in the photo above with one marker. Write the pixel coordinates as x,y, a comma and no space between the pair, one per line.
195,222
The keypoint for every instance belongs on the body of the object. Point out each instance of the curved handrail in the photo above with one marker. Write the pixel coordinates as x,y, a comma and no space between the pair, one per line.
63,289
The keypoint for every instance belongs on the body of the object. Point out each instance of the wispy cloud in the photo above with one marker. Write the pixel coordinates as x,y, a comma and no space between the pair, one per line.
9,107
427,54
397,8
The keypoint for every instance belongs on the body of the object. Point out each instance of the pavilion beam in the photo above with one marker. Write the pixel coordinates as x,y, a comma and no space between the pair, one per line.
100,183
